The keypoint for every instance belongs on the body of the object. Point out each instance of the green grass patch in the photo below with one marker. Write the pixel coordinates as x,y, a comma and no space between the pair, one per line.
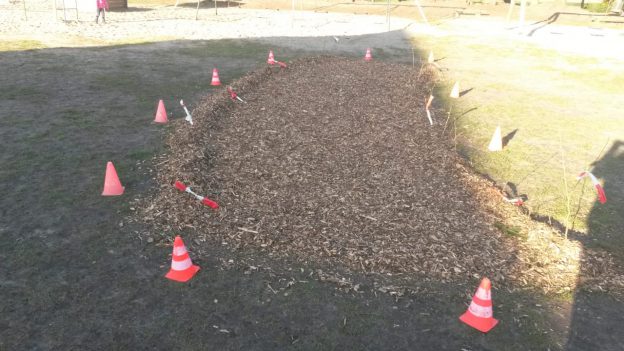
27,93
508,230
564,111
236,49
602,7
140,155
20,45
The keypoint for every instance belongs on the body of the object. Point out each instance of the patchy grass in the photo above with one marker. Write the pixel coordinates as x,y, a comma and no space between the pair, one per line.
20,45
563,110
602,7
508,230
230,48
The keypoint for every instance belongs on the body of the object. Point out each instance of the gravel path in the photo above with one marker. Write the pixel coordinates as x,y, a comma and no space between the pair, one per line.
287,28
169,23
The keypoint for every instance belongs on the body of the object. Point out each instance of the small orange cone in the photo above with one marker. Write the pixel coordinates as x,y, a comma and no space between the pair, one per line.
480,315
368,56
161,113
271,59
496,144
455,91
182,268
112,185
215,77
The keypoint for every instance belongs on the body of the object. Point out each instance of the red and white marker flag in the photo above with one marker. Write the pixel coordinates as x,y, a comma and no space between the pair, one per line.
233,95
515,201
203,200
602,197
271,60
427,109
188,117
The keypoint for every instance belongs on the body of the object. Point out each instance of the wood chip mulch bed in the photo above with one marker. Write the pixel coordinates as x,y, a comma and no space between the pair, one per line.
333,160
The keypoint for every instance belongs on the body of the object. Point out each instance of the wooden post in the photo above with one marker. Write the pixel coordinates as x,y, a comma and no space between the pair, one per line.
388,14
511,7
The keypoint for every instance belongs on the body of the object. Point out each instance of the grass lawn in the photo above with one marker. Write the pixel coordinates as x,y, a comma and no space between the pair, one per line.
565,113
66,111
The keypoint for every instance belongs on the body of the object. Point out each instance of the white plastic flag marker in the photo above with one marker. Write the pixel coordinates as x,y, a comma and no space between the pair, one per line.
203,200
427,109
515,201
602,197
188,117
430,59
455,91
496,144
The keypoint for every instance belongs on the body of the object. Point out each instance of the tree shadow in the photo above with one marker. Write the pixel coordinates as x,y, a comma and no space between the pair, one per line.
597,316
132,9
211,4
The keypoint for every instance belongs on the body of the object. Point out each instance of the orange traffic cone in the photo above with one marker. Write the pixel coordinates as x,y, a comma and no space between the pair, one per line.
271,59
368,56
480,315
496,144
112,185
455,91
161,113
215,77
182,268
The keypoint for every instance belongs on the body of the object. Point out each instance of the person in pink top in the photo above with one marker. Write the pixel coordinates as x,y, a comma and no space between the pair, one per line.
102,6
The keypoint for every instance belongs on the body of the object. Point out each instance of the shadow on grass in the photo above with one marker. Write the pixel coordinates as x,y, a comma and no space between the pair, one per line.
507,138
466,91
599,311
206,4
132,9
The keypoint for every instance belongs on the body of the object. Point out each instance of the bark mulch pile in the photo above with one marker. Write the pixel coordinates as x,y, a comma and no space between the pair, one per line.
333,160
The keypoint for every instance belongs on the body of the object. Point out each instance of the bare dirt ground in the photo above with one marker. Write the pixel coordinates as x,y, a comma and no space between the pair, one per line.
76,276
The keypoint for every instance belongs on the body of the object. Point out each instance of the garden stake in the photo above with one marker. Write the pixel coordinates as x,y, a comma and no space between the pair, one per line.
188,117
203,200
233,95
